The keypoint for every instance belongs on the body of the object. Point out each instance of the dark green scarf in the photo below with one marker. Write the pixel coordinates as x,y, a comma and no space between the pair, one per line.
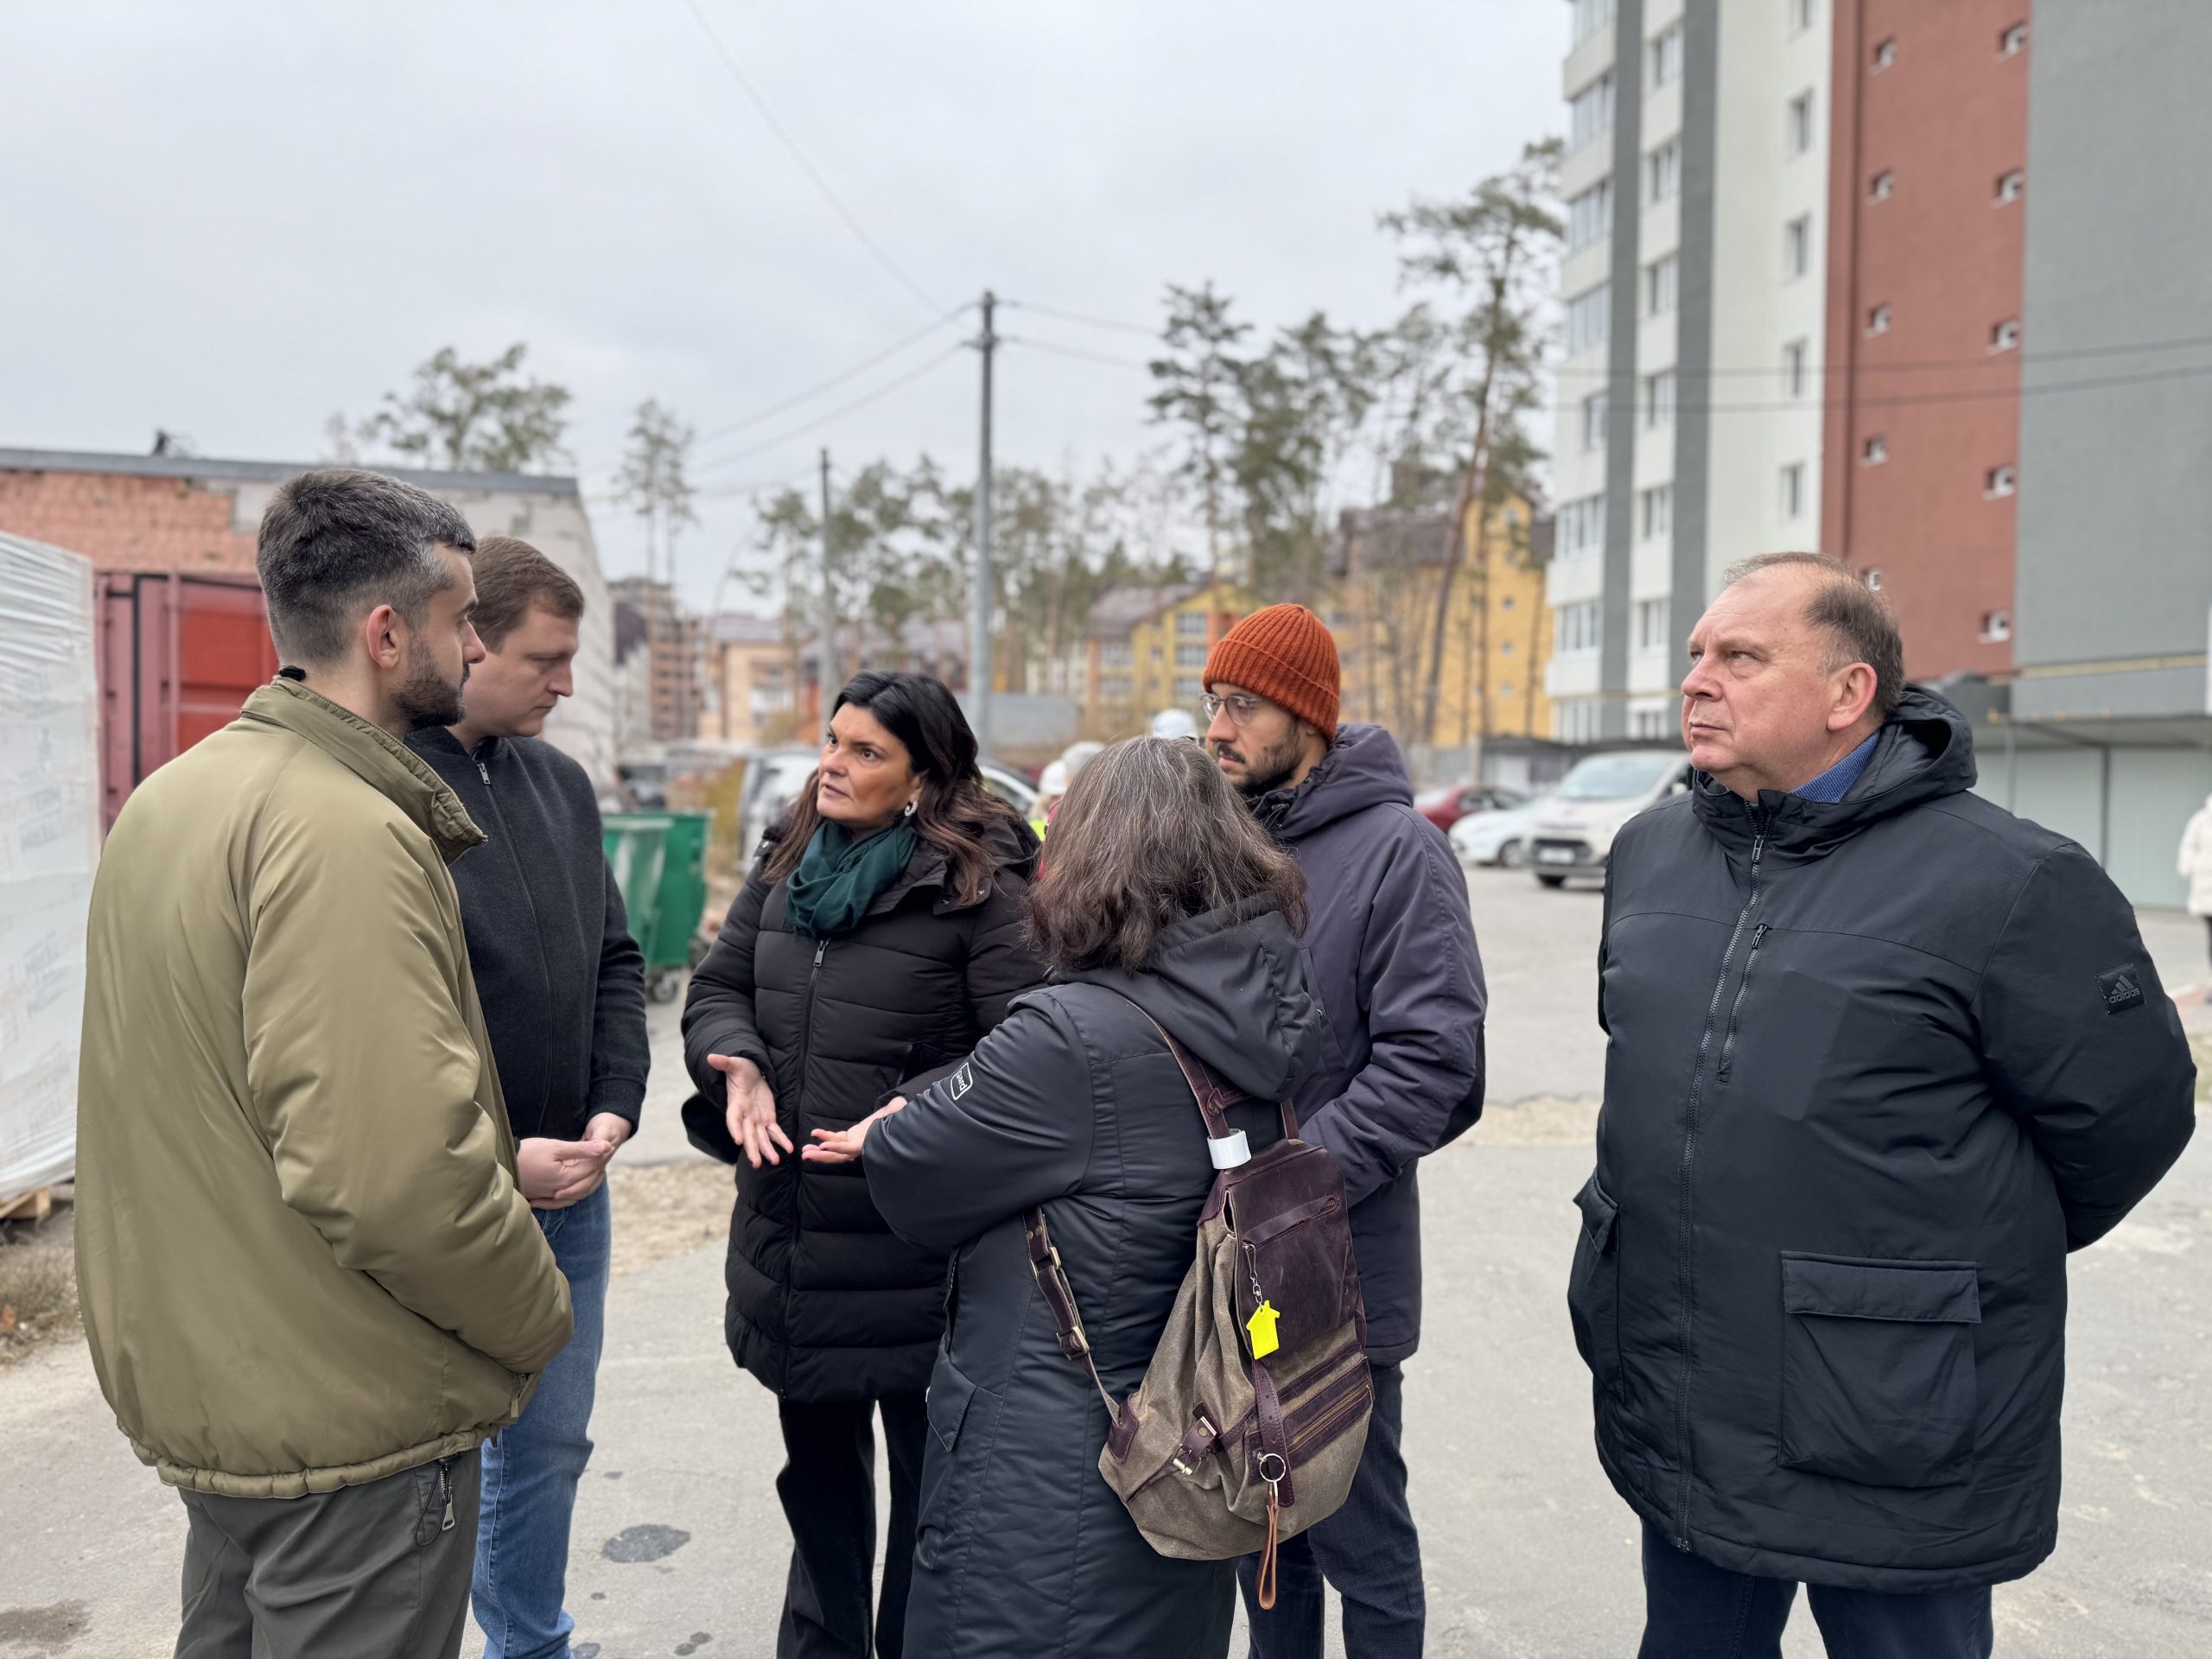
838,878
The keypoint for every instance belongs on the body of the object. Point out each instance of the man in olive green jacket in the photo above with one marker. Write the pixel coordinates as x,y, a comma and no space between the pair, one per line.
311,1284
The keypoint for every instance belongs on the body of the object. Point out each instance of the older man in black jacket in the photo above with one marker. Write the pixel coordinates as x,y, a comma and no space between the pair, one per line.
1395,966
1881,1054
563,992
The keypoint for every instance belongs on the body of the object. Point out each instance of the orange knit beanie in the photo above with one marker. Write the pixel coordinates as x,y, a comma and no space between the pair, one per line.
1286,654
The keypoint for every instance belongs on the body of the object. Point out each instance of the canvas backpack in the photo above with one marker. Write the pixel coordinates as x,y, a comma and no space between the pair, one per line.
1249,1423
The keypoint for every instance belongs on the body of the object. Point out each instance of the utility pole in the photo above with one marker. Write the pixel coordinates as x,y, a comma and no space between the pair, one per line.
826,659
979,644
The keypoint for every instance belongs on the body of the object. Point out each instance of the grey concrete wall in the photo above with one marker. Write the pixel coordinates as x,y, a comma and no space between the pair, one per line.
1620,357
2116,505
1693,348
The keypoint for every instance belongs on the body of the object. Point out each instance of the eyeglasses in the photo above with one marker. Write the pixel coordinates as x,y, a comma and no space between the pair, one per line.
1241,708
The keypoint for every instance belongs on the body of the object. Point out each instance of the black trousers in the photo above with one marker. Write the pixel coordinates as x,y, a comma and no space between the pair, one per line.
1694,1609
828,1489
362,1573
1368,1549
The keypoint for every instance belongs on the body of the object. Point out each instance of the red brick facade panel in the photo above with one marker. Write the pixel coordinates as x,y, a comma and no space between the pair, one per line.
123,522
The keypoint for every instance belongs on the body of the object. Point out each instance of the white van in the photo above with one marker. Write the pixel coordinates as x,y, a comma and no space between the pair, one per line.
1575,834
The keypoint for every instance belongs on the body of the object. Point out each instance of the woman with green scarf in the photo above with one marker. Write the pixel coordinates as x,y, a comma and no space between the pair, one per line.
879,936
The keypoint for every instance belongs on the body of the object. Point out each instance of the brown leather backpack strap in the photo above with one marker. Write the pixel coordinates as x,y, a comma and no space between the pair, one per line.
1289,1119
1059,1296
1275,1433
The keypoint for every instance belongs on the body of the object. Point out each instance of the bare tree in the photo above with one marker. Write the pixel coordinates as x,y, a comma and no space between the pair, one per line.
1197,391
654,482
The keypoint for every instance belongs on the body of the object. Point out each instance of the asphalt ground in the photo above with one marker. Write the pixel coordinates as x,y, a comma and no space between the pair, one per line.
680,1549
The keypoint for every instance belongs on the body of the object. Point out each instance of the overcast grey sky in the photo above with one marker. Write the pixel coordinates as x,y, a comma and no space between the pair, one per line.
233,219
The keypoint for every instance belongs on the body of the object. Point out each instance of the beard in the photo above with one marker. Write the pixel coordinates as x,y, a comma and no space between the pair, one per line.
426,697
1265,769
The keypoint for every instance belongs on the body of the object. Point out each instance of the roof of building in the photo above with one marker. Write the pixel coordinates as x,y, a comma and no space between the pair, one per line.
1369,536
209,467
742,628
1117,610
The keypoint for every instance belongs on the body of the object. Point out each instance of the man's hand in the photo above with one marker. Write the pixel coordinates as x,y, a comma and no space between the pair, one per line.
752,1109
557,1173
844,1146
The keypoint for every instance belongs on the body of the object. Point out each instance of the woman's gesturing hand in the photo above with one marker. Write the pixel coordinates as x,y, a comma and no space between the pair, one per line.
844,1146
751,1111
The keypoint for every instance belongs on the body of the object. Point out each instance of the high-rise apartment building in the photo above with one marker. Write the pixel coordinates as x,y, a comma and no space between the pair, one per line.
675,645
1693,287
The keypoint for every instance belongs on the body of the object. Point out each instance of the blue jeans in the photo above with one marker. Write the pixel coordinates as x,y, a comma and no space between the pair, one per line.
1368,1549
1694,1609
531,1469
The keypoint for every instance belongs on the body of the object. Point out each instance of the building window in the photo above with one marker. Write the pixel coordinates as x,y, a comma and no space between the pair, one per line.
2013,41
1801,14
1877,320
1575,722
1666,56
1996,627
1505,646
1885,185
1582,528
1664,171
1590,112
1792,490
1189,689
1649,723
1659,398
1651,624
1999,481
1590,16
1801,123
1793,368
2010,187
1190,656
1576,628
1594,411
1114,688
1190,625
1655,509
1662,283
1886,55
1116,653
1590,216
1797,246
2006,336
1589,317
1875,451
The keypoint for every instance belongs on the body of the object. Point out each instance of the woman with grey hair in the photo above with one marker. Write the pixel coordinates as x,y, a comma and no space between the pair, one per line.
1161,907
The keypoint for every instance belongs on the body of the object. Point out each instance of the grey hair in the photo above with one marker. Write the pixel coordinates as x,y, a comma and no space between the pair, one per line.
338,543
1859,623
1149,835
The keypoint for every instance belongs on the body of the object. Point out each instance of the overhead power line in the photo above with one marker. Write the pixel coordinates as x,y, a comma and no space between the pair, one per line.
1074,352
836,380
1083,318
844,409
814,173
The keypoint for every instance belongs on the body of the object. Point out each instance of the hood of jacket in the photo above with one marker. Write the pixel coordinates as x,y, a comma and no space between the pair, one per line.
1923,751
1362,768
1231,986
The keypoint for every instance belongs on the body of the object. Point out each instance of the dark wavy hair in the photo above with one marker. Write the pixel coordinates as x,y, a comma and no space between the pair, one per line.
955,812
1149,835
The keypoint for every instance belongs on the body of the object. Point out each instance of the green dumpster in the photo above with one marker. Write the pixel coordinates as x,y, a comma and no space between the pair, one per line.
670,874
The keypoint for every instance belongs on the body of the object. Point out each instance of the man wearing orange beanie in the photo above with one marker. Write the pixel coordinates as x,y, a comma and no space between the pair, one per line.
1393,963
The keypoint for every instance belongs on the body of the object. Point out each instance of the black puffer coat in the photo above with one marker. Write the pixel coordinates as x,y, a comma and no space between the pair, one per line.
824,1303
1075,1104
1876,1066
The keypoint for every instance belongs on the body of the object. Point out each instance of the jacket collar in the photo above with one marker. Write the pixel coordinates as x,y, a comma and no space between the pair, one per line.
1363,767
1924,752
372,754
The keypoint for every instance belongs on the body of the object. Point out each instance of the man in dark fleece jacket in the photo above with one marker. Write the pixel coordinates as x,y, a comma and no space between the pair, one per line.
1880,1055
1393,964
562,986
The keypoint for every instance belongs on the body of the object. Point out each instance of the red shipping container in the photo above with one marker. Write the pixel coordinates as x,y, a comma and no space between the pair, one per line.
178,654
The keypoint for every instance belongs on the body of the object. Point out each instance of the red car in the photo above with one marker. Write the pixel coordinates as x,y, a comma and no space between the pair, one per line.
1446,807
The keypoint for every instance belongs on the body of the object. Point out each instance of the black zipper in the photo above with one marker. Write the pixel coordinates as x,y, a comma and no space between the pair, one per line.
1683,1274
1736,1008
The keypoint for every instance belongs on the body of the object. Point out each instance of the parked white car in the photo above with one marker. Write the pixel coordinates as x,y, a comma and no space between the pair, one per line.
1499,837
1574,835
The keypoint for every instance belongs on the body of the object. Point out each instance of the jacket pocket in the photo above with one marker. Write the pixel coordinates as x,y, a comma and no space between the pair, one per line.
1878,1369
939,1518
1593,1292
